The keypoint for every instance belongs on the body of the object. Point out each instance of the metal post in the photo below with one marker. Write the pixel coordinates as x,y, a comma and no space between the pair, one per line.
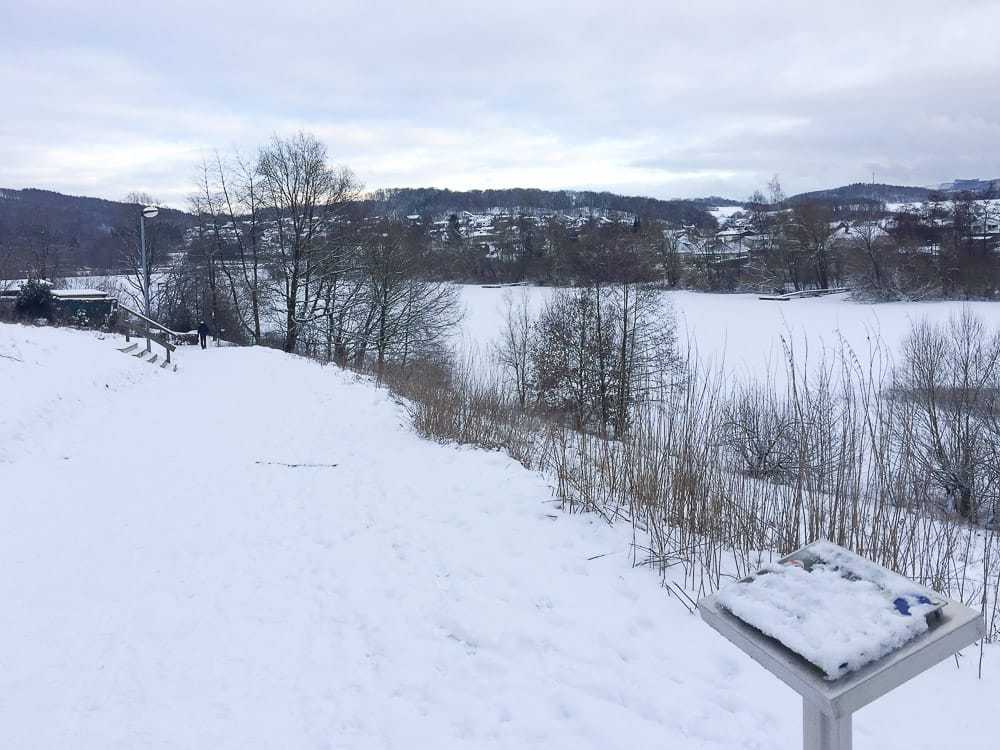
821,731
145,274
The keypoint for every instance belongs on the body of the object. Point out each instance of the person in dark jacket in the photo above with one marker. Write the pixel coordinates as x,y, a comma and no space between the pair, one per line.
202,333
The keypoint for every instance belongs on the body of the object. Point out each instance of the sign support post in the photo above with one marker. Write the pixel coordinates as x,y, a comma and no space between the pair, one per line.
822,732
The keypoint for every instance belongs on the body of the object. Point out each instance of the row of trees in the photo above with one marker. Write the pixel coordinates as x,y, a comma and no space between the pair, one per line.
282,253
591,354
276,232
939,248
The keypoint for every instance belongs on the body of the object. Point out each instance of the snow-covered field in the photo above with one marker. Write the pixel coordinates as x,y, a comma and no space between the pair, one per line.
175,577
741,332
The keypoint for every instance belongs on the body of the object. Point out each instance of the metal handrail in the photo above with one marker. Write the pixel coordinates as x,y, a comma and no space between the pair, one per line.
164,341
150,321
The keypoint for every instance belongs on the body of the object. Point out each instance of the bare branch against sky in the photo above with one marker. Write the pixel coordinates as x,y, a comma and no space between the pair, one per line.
660,98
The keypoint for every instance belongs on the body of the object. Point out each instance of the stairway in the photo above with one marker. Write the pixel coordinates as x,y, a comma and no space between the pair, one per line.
147,356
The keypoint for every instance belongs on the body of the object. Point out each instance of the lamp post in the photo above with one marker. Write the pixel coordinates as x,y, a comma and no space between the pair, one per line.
148,212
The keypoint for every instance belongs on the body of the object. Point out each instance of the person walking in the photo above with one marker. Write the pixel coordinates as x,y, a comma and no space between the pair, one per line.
202,334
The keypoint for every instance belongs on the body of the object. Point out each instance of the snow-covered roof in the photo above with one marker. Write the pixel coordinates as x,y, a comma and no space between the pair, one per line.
79,293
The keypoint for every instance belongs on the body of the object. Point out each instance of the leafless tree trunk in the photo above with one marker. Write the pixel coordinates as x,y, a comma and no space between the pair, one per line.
230,198
949,378
514,350
304,194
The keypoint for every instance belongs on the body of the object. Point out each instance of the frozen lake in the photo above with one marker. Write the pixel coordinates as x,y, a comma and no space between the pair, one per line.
740,331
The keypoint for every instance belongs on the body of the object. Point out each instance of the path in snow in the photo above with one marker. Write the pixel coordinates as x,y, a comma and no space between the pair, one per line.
162,588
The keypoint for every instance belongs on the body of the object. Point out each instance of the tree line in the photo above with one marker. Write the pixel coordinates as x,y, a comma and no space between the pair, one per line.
944,247
283,252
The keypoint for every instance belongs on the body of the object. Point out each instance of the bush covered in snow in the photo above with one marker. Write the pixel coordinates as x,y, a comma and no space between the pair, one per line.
34,300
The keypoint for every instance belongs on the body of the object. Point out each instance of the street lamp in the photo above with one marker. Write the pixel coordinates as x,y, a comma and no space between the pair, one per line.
148,212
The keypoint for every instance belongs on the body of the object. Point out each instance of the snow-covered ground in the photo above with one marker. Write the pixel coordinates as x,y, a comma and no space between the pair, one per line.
741,332
171,580
722,213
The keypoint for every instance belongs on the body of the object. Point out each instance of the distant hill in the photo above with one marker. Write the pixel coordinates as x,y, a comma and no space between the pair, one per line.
865,191
436,202
64,209
716,201
972,186
896,193
84,231
91,232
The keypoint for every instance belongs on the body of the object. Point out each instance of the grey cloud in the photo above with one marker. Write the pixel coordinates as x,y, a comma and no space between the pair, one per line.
664,98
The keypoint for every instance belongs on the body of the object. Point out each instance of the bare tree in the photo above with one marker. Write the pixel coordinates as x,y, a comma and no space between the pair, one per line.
948,385
759,429
229,206
304,194
869,234
513,351
646,362
812,230
599,351
403,315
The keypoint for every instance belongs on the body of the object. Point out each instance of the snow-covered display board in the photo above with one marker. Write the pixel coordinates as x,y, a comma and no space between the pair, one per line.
839,630
837,610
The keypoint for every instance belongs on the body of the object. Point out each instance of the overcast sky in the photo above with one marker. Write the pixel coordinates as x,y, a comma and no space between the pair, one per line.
657,98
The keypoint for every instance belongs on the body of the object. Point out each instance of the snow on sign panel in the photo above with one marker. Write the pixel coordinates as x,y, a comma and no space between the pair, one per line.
837,610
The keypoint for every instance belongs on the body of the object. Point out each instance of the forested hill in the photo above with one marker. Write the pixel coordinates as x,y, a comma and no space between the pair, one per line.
56,210
88,228
435,201
898,193
865,191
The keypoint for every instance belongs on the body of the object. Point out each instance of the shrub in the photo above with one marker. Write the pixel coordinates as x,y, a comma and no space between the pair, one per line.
34,300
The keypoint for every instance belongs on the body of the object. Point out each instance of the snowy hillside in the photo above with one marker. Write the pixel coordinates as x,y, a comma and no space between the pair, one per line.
256,551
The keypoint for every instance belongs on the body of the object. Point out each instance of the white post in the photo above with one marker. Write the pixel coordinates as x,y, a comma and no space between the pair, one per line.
145,273
147,212
142,263
821,731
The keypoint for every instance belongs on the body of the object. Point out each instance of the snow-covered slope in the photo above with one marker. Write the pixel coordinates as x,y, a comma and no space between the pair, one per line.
174,576
48,375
